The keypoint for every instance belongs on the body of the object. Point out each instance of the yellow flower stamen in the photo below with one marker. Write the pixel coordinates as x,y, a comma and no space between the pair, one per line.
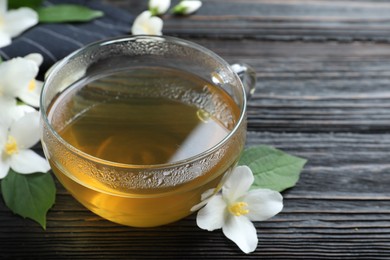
239,208
32,85
11,147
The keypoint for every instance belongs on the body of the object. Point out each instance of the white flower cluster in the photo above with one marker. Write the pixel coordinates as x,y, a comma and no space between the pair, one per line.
148,22
19,124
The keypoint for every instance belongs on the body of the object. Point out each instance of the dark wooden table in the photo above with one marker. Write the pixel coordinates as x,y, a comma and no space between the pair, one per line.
323,93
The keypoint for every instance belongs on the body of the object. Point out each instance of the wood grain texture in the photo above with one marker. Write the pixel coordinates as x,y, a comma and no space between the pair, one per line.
323,93
279,20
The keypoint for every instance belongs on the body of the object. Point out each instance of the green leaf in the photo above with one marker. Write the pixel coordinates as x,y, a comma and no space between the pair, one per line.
29,195
67,13
14,4
272,168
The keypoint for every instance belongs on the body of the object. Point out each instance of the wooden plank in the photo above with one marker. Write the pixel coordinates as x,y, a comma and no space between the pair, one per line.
317,20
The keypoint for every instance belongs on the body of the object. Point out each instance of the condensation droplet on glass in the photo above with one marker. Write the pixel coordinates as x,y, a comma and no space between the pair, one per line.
196,169
160,182
145,177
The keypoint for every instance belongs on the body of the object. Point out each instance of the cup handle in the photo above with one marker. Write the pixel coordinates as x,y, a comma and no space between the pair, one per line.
248,77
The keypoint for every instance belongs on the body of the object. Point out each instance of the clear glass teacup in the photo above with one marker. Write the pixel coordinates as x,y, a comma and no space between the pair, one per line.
136,128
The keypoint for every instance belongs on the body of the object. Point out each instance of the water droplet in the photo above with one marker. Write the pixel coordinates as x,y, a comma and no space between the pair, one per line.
196,169
160,182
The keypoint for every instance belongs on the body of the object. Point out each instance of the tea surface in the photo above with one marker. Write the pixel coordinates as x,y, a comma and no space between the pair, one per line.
145,116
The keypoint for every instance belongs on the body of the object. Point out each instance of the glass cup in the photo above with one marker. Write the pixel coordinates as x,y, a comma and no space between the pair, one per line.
140,195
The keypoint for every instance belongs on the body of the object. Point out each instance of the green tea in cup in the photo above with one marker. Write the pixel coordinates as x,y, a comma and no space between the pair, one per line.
137,128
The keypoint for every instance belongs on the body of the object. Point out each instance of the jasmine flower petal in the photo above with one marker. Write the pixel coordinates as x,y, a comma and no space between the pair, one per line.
145,23
7,106
263,204
187,7
207,194
4,159
212,216
3,7
16,75
159,7
11,112
4,166
238,183
242,232
32,93
27,161
26,130
3,135
18,111
37,58
5,39
155,26
19,20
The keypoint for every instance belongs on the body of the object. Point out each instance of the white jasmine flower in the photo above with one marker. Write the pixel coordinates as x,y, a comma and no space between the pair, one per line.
18,79
159,7
236,207
145,23
187,7
14,22
15,143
